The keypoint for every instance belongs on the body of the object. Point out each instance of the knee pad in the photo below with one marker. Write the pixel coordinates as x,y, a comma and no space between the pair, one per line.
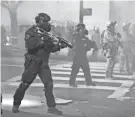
24,86
86,70
48,85
75,66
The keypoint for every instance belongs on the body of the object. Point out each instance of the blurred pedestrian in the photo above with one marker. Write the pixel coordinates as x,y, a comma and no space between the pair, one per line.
110,47
96,37
126,54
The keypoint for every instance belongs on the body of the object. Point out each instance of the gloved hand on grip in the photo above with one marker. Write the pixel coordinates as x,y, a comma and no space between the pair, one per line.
55,40
62,45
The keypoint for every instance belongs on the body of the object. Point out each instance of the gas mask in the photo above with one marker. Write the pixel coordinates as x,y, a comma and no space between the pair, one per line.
45,26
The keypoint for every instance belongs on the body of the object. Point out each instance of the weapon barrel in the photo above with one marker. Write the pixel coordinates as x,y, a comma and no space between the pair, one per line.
43,33
65,42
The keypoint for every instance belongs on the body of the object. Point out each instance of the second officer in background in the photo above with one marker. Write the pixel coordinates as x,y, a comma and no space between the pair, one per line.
81,45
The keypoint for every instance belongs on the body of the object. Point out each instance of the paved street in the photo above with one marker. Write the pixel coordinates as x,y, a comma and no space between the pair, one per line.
110,98
14,66
66,32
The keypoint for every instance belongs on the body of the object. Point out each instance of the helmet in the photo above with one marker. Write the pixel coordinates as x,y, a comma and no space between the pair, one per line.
80,24
125,26
42,16
111,24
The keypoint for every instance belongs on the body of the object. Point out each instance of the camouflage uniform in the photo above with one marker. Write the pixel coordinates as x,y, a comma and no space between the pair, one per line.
81,46
36,63
111,50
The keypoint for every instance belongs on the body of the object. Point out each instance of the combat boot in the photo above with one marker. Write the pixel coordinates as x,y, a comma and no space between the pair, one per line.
90,84
109,77
73,85
1,111
15,109
55,111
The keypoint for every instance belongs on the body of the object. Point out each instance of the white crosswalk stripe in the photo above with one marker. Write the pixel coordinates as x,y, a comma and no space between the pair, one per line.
62,72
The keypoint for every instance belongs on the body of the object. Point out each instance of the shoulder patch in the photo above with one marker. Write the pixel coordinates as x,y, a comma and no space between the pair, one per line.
27,36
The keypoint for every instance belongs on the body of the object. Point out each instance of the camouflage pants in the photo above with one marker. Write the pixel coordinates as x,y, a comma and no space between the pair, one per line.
110,66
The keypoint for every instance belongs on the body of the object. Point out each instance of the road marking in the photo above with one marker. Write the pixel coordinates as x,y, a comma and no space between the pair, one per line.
127,98
93,74
118,91
59,67
92,70
122,90
18,78
12,65
67,86
64,65
91,65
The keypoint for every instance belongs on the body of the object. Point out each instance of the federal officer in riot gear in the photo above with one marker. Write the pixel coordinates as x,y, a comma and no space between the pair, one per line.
36,62
111,44
81,45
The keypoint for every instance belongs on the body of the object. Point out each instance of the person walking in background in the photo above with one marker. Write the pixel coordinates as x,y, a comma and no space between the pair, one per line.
96,37
110,46
126,54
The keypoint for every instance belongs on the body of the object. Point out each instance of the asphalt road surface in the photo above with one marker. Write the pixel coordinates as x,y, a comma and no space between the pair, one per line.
110,98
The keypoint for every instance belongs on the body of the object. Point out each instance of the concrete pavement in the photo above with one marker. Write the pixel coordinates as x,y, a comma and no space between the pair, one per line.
87,102
21,114
93,108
